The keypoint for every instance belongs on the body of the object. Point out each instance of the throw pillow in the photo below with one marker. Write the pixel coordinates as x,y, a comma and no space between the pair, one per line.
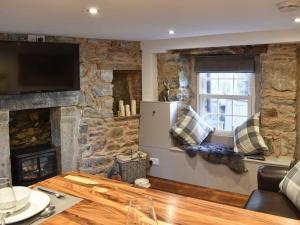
191,129
247,137
290,185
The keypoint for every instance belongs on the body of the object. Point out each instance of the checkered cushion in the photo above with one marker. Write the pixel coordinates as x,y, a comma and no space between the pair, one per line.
191,129
290,185
247,137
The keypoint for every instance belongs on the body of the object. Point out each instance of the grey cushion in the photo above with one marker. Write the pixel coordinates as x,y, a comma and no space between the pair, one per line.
191,129
247,137
290,185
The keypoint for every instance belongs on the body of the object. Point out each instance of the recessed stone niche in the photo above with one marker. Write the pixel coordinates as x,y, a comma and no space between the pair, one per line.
127,86
29,128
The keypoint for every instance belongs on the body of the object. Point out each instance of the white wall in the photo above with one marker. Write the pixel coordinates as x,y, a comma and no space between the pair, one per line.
150,48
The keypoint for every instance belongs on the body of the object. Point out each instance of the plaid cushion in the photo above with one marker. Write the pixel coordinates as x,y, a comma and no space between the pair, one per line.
247,137
191,129
290,185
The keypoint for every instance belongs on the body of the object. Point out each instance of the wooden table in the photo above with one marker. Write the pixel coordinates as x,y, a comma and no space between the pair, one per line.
106,201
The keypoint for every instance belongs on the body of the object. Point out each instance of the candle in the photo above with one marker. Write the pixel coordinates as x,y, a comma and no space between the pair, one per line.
127,110
121,103
133,107
122,110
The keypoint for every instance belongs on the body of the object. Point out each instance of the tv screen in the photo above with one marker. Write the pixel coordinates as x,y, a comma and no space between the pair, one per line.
38,67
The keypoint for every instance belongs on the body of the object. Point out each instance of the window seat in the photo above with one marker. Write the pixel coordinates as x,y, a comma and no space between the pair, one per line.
175,164
283,161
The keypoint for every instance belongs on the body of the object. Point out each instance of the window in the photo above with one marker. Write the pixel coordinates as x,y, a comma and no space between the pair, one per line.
225,99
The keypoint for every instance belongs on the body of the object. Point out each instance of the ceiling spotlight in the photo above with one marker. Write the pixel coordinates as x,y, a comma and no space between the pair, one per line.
171,32
297,20
93,11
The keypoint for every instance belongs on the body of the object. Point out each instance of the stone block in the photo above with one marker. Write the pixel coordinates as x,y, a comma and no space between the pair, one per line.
106,113
107,75
116,132
69,111
95,161
83,128
89,112
130,133
82,140
269,112
113,147
103,89
281,124
4,117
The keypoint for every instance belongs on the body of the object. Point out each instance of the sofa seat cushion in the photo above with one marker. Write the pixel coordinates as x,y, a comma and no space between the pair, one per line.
272,203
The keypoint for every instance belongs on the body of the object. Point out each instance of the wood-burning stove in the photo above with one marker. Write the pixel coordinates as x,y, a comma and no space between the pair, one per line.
33,164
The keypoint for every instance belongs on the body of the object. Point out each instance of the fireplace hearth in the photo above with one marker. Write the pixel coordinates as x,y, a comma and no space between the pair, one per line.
33,164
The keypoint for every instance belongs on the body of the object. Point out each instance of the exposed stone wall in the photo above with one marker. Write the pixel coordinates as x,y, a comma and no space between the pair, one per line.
279,91
276,86
100,136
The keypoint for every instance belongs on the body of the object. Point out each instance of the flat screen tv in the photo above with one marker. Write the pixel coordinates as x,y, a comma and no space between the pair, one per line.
27,67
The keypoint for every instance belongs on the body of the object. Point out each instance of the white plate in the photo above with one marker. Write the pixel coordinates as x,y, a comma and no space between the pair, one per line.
38,201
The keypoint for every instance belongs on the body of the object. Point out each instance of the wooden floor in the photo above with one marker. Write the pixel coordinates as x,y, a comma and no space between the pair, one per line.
194,191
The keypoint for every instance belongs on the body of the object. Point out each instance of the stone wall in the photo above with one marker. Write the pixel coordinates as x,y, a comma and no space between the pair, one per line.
100,136
279,91
276,86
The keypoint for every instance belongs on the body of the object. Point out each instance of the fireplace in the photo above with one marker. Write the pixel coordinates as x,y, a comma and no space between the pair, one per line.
33,157
33,164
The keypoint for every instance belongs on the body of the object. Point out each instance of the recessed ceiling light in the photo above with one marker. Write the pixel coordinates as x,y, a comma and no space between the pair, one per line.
93,11
297,20
171,32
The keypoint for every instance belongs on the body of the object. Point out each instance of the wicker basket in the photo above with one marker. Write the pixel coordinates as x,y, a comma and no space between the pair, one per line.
133,168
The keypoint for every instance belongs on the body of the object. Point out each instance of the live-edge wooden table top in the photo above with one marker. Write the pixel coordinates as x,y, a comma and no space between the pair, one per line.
106,203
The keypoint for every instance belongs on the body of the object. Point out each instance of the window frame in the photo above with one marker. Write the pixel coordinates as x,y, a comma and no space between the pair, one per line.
250,98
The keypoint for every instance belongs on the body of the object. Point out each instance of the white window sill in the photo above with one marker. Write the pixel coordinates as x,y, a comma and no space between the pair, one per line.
223,133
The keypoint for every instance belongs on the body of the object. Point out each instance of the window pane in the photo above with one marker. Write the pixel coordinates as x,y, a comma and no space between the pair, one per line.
211,105
225,87
212,120
241,87
238,120
242,75
226,75
225,113
213,75
212,86
225,106
225,123
240,107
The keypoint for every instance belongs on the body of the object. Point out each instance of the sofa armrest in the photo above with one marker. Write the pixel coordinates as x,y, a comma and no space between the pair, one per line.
269,177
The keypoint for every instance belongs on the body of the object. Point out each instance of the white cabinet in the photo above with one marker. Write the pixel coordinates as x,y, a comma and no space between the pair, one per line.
155,123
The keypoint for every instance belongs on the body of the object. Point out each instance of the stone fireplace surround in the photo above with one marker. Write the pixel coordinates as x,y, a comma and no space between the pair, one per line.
64,116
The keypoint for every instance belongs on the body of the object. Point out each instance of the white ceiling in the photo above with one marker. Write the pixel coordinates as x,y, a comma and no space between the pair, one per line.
142,19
